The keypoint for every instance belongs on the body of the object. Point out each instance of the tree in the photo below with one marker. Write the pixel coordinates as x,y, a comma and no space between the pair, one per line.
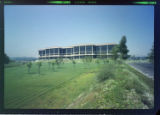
123,48
6,59
115,51
151,55
39,66
29,65
74,62
61,60
57,62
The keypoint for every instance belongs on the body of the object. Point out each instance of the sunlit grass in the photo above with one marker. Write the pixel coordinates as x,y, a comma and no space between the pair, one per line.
77,86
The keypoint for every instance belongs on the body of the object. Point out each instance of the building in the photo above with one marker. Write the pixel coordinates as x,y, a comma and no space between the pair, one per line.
77,51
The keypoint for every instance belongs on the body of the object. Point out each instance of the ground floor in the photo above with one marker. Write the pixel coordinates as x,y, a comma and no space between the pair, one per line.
74,56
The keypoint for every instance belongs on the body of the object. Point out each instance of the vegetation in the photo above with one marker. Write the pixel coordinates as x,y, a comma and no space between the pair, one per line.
57,62
115,51
29,65
6,59
39,66
97,61
74,62
105,73
123,48
111,85
151,55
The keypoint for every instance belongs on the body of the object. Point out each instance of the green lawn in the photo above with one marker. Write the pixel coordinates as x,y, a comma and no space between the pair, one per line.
70,86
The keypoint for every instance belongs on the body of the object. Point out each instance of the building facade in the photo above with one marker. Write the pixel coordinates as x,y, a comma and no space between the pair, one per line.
77,52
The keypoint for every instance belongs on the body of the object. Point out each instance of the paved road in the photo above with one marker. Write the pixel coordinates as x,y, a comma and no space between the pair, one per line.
145,68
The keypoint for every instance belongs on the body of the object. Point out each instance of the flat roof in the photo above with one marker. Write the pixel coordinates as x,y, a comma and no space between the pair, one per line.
80,45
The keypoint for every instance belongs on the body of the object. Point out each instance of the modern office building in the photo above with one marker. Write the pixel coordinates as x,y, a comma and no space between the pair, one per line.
77,51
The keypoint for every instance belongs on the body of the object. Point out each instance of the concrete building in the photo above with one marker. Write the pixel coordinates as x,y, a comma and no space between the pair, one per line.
77,51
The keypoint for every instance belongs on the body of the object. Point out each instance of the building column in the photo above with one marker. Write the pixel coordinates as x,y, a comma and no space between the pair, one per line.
92,51
100,51
49,53
85,50
45,54
73,52
79,52
58,53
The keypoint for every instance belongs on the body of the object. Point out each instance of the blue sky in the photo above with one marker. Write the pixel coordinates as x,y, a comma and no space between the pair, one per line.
29,28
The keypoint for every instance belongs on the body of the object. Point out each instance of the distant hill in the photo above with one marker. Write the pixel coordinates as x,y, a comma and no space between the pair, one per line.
23,58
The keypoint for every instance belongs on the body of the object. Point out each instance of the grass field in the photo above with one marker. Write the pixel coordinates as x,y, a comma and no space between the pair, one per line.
76,86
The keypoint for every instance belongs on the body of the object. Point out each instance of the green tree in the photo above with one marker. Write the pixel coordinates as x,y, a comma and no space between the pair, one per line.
6,59
115,51
39,66
29,65
151,55
61,60
74,62
123,48
57,62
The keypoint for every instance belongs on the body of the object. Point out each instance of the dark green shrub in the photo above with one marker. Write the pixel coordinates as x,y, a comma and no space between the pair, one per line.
39,64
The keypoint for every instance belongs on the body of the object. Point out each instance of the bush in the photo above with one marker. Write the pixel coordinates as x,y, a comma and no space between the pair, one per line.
105,61
119,62
105,73
97,61
134,84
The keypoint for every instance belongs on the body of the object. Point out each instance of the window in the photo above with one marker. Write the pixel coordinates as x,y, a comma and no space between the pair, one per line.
82,49
104,49
56,51
110,48
98,50
51,51
76,50
47,52
43,52
89,49
69,51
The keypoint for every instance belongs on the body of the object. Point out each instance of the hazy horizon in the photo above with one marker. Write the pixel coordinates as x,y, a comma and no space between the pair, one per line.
30,28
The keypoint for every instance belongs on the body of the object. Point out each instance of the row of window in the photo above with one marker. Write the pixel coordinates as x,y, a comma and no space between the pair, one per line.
74,57
77,50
